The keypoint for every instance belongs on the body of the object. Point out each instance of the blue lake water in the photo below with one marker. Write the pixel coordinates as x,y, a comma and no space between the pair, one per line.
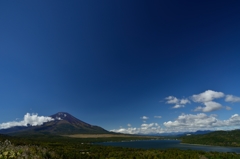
167,144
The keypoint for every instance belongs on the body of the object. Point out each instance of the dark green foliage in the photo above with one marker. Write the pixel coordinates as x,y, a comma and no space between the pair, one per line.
76,148
217,138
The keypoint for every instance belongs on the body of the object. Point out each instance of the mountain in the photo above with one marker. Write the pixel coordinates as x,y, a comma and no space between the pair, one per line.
63,124
201,132
179,134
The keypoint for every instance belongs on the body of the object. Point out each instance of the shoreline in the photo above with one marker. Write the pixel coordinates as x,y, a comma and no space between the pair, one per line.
210,145
199,144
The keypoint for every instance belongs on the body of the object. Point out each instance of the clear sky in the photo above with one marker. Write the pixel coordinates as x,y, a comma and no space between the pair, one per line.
128,66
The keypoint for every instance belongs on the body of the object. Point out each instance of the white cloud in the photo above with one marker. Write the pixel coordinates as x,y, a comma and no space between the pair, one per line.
209,107
190,122
233,121
228,108
179,103
184,101
144,117
171,100
231,98
207,96
178,106
144,129
129,125
125,131
31,119
185,123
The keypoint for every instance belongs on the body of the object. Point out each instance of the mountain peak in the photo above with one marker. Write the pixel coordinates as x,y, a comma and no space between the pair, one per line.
63,123
68,118
60,115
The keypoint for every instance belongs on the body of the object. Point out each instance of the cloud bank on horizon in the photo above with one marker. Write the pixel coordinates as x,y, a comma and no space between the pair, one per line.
192,122
185,123
29,119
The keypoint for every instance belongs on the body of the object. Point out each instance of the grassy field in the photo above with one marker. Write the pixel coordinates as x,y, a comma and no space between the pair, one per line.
105,136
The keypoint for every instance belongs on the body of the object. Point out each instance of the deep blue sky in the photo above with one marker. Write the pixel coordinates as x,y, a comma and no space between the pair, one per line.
109,63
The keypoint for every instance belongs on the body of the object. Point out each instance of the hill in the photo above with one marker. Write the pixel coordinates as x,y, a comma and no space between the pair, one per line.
217,138
63,124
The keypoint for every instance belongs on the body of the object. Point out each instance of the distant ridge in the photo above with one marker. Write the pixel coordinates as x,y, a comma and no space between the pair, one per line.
179,134
63,124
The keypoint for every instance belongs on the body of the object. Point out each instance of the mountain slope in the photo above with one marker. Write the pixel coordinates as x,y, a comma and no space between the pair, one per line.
63,124
218,138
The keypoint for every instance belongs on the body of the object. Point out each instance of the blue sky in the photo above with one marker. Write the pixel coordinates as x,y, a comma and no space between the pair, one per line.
128,66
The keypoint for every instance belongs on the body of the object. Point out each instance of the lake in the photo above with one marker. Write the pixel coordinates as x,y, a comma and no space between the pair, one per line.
167,144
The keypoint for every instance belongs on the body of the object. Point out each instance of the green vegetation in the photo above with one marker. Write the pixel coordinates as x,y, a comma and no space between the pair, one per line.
8,150
217,138
57,147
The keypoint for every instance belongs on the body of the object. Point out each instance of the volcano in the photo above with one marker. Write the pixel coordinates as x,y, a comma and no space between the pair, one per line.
63,124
